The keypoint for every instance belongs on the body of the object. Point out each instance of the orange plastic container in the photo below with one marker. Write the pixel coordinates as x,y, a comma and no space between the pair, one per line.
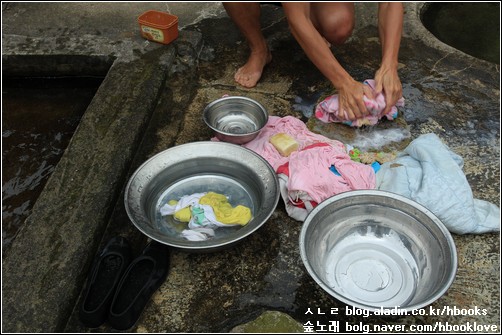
158,26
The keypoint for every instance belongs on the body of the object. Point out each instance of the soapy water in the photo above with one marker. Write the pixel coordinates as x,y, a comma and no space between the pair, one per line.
366,139
373,139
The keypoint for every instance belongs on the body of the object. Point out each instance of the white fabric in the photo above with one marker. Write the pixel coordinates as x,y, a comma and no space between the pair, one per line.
209,219
185,201
197,234
293,211
197,231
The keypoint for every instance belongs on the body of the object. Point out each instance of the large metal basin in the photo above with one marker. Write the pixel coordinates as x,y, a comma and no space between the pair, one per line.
374,249
239,173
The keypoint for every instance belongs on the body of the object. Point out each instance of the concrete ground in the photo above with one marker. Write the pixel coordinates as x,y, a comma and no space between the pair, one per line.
151,99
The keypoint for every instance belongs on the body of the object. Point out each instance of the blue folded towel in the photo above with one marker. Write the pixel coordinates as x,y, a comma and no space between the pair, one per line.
429,173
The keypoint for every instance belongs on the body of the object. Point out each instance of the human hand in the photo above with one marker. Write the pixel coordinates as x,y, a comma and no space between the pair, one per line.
387,81
350,99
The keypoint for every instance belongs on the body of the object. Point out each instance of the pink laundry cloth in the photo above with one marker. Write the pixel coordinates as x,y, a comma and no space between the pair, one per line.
294,128
327,110
309,178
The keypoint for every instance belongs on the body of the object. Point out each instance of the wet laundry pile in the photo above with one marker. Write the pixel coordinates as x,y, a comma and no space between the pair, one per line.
204,212
328,111
427,171
306,176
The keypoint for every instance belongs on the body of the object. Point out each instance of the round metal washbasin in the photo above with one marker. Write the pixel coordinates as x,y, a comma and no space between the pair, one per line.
373,249
235,119
240,174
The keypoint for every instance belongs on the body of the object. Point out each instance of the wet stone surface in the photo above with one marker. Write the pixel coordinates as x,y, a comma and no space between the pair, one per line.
265,271
451,95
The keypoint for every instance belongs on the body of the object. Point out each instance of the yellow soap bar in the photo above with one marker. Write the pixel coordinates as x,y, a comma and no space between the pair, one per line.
284,143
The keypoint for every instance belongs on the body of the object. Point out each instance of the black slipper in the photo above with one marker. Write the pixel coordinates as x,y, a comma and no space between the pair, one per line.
142,278
102,281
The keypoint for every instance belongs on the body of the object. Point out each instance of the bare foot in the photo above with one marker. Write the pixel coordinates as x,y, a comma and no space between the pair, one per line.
250,73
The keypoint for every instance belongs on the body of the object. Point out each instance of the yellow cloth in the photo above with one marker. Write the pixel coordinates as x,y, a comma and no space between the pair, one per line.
224,211
183,215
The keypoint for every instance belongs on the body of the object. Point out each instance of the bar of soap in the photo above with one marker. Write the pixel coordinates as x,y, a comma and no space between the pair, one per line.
284,143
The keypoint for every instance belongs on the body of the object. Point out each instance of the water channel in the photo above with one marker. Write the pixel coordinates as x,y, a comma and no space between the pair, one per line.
39,117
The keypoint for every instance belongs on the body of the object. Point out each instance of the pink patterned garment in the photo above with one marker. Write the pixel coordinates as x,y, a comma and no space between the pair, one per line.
327,110
309,179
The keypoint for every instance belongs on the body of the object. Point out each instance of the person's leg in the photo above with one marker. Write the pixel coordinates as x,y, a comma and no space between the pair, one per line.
333,20
246,16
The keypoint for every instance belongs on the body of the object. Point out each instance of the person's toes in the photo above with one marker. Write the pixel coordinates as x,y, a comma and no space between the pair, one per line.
244,79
